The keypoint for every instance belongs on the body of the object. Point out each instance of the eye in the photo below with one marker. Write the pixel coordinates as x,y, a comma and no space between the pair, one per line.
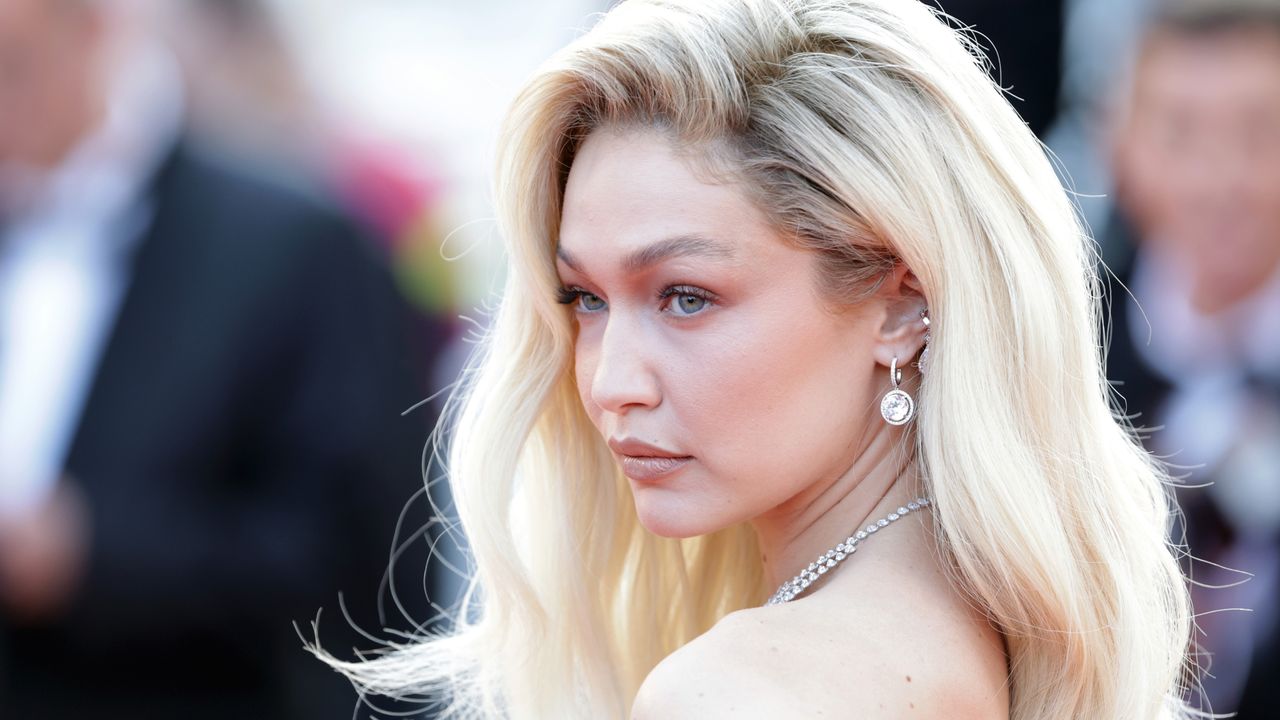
686,300
589,302
689,304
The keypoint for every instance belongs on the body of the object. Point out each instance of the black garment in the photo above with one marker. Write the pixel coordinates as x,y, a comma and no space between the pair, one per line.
244,456
1142,390
1023,41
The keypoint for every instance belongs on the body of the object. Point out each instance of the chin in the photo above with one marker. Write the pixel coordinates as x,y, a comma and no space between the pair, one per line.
662,512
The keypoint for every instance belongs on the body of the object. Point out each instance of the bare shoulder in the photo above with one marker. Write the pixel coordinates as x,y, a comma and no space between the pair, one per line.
811,658
708,678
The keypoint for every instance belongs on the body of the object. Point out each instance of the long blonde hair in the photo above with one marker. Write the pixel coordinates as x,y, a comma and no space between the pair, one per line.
869,132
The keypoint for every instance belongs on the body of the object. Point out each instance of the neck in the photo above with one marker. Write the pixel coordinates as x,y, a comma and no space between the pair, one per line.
827,512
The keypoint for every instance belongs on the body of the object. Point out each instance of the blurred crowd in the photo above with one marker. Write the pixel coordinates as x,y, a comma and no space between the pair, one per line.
205,354
218,299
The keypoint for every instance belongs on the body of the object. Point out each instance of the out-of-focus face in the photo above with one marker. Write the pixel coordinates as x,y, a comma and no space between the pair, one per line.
47,53
1198,160
702,333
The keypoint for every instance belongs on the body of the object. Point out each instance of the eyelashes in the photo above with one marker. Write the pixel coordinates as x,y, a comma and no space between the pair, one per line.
566,295
571,295
588,302
685,292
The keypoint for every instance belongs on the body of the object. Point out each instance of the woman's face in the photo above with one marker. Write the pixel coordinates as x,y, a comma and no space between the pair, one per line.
701,333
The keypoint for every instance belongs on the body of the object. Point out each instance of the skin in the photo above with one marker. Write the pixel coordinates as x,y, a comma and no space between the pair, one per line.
886,636
1197,158
773,393
49,86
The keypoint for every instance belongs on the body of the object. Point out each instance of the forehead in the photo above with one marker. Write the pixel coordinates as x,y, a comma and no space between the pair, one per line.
1210,68
630,188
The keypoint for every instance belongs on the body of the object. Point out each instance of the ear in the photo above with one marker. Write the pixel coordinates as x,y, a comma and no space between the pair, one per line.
901,331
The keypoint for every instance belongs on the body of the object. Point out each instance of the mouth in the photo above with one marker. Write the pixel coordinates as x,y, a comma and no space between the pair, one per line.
643,462
648,468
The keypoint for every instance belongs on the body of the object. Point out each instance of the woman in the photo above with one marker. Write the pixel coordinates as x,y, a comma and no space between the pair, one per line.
712,480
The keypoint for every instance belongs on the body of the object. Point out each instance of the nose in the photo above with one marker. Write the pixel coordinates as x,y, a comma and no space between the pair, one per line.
623,377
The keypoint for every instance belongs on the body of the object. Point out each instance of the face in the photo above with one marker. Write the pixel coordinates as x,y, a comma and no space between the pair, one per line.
701,334
1199,158
47,51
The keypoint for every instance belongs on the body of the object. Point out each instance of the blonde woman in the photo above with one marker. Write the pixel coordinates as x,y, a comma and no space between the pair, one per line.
793,405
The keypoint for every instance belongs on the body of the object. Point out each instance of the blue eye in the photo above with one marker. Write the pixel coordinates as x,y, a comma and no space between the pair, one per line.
686,299
689,304
589,302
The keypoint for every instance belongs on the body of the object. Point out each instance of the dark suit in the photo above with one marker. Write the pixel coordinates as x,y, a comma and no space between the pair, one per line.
244,459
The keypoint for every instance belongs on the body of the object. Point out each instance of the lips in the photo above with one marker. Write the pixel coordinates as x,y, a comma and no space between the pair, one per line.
644,462
651,468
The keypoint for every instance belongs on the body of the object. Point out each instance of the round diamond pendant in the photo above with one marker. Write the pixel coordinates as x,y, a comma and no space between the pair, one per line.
897,407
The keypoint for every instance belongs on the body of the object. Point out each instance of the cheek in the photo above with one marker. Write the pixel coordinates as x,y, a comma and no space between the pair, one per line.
780,398
584,368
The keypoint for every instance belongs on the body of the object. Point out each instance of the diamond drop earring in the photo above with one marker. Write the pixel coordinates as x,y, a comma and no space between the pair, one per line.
897,407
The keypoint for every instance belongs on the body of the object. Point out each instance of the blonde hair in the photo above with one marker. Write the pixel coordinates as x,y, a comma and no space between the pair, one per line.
869,132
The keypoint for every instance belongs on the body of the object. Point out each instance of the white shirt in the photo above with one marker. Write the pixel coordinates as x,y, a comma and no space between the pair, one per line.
64,271
1210,411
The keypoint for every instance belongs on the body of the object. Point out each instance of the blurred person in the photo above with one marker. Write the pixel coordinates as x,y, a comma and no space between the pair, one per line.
1099,37
202,370
1196,349
249,92
792,405
245,86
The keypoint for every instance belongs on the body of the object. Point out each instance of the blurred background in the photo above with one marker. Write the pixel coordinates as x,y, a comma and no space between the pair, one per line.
241,239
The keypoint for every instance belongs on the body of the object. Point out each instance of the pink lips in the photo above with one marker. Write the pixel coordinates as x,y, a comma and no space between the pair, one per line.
644,462
650,468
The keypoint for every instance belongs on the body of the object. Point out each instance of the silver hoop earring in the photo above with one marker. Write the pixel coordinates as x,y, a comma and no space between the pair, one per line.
897,407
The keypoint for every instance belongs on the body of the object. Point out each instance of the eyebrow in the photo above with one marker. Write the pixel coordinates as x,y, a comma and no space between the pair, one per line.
648,256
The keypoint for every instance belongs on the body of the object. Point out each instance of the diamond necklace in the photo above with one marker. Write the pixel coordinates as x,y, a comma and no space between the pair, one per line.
834,556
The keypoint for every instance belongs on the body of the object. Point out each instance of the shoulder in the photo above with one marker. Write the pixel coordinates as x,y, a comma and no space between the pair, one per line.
233,203
801,661
233,222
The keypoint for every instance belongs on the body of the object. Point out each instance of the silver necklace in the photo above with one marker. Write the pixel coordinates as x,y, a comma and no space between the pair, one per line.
835,555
